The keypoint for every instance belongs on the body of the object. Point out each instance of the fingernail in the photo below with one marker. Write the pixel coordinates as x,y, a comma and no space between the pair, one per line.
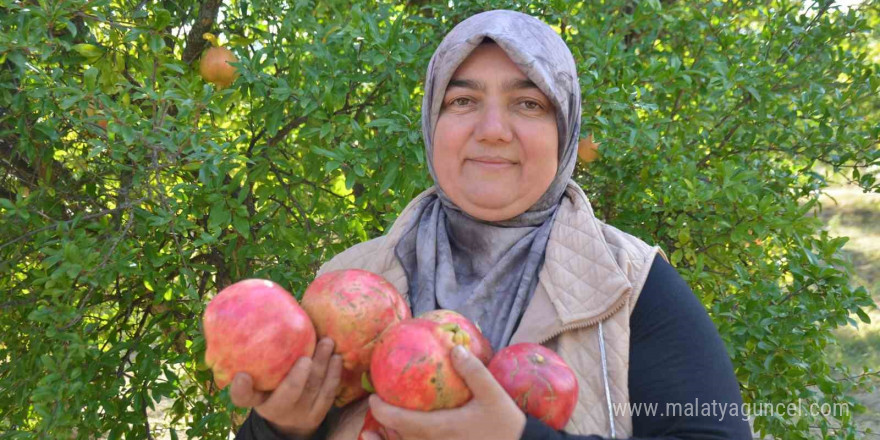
460,352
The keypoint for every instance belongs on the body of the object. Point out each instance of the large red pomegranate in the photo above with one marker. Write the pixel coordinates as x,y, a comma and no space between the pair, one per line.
479,346
256,327
411,366
353,307
538,380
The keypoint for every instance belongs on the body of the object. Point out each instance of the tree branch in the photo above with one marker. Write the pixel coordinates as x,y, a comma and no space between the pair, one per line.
793,46
146,417
32,232
290,126
136,337
195,44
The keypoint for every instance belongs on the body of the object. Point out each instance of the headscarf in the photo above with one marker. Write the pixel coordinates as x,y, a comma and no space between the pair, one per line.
488,271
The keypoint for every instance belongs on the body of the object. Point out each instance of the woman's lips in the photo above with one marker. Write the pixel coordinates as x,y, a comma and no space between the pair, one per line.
492,163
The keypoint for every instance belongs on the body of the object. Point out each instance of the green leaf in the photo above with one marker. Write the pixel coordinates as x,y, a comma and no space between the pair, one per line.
684,237
327,153
754,93
70,27
281,93
220,215
156,43
174,67
88,50
241,225
389,179
90,77
163,18
381,122
127,133
69,101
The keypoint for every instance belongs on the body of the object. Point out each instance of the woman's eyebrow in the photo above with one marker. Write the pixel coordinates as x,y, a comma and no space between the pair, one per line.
518,84
508,85
466,84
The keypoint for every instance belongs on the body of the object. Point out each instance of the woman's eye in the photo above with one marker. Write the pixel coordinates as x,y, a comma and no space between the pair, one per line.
531,105
461,101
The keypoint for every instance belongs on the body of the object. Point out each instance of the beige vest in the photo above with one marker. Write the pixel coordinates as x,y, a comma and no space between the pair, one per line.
587,288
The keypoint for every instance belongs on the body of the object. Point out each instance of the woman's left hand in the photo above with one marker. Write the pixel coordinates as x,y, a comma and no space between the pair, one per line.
490,414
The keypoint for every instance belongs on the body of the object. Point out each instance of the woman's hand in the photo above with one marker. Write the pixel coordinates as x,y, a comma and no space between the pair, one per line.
490,414
298,406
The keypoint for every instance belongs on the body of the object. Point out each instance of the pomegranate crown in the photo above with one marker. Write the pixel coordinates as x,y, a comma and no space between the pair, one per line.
459,335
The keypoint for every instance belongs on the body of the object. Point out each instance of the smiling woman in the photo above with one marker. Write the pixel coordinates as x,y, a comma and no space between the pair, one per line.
496,140
507,239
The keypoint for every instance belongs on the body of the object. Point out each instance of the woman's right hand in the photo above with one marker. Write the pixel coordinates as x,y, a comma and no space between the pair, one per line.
298,406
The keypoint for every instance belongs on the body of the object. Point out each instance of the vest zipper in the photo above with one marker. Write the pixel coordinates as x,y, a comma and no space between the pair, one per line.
577,325
605,380
589,323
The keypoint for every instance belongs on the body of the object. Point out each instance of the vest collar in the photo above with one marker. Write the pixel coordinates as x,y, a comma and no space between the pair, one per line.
580,274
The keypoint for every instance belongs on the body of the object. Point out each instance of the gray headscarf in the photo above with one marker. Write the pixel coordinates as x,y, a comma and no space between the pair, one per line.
488,271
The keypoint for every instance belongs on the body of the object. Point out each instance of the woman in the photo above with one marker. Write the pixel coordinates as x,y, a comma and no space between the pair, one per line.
507,239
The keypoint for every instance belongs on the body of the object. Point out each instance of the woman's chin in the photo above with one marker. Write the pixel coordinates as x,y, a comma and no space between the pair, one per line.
491,207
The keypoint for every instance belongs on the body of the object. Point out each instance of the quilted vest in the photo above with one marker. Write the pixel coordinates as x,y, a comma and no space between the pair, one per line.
587,288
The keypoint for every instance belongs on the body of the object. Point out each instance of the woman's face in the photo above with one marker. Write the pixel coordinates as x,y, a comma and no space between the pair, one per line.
495,143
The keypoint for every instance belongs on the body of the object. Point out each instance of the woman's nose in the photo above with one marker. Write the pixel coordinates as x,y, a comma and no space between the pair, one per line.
494,125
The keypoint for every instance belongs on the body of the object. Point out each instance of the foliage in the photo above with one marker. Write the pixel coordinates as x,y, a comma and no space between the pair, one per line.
711,115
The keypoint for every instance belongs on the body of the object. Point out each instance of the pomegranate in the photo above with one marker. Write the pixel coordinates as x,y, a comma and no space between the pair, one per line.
101,121
353,307
538,380
479,346
588,151
215,66
411,366
256,327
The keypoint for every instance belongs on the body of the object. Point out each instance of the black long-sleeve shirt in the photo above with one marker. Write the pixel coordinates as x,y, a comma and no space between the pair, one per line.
681,381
